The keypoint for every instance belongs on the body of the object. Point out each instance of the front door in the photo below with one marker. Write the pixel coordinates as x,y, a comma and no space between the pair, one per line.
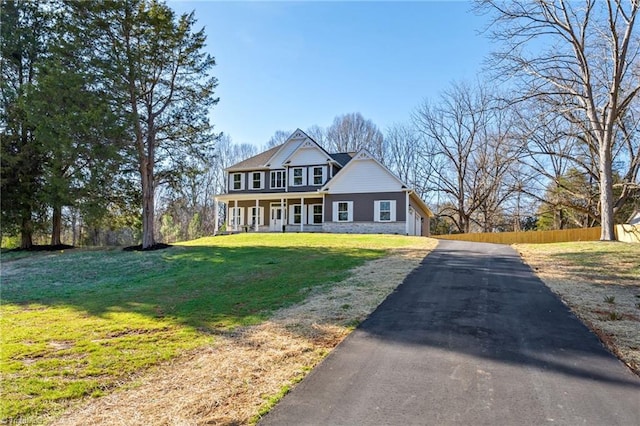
276,222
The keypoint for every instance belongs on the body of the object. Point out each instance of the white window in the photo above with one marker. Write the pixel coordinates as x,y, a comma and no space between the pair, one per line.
256,180
236,216
257,216
298,176
237,181
277,179
315,214
295,214
343,211
318,176
384,211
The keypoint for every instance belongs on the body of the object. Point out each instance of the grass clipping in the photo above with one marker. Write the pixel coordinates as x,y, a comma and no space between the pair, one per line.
600,282
239,377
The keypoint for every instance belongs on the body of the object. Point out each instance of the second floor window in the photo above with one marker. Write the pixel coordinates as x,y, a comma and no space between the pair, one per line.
317,176
236,182
277,179
256,180
297,177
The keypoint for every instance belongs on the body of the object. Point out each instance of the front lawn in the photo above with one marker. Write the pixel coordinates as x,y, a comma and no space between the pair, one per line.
81,322
600,281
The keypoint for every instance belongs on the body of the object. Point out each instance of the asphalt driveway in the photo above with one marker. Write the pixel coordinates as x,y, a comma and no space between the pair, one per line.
471,337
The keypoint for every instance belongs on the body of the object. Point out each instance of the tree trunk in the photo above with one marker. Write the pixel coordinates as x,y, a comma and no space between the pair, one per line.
146,171
606,194
74,233
26,231
57,226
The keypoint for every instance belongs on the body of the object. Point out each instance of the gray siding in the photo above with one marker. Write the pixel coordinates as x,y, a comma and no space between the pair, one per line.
363,205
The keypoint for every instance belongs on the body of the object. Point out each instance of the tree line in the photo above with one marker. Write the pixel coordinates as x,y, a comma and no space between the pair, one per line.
102,103
106,135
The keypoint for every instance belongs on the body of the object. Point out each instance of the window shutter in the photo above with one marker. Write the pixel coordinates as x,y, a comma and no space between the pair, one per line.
393,210
350,203
335,211
376,211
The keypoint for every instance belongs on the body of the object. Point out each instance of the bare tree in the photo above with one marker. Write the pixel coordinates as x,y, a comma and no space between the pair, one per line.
469,150
352,132
278,138
318,134
589,72
405,157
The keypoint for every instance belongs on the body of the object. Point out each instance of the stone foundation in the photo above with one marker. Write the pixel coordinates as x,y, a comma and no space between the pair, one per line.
365,227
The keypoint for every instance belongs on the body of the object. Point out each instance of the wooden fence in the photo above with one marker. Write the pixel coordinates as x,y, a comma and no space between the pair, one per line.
626,233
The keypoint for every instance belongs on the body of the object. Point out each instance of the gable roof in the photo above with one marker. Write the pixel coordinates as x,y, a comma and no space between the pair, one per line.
342,158
257,161
306,144
264,159
363,154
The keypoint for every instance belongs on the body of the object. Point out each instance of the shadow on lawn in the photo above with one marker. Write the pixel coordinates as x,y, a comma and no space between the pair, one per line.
207,288
480,301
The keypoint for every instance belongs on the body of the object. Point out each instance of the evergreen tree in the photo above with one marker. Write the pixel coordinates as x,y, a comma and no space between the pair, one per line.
159,78
24,30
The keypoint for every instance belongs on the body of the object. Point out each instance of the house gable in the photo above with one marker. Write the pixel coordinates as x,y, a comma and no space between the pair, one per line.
364,174
278,159
308,153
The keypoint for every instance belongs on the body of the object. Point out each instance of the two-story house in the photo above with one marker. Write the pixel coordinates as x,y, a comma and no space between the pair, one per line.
300,187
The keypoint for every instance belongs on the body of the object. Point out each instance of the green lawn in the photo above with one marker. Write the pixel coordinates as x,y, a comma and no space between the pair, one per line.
589,260
80,322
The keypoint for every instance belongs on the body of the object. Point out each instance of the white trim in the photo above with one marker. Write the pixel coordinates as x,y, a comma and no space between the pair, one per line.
312,176
236,212
303,176
292,214
251,210
363,154
311,214
232,181
336,216
272,174
251,181
377,210
273,226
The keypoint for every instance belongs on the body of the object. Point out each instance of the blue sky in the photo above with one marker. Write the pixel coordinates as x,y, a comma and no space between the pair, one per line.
283,65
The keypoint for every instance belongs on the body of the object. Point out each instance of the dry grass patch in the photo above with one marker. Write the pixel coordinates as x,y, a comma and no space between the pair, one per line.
600,282
244,372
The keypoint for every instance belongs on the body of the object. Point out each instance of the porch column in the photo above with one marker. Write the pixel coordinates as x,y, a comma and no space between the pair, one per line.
302,214
236,214
257,224
215,215
283,213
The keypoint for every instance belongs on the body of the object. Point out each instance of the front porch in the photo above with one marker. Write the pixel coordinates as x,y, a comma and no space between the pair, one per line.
286,212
